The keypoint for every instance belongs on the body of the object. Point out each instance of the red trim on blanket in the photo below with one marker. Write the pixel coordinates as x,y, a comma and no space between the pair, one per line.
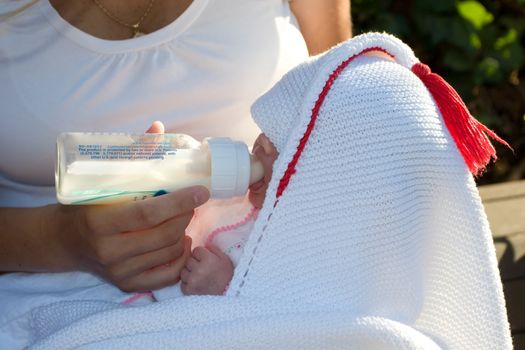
469,134
283,183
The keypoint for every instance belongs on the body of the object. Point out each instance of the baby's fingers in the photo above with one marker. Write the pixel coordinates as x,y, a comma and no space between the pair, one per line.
192,263
217,251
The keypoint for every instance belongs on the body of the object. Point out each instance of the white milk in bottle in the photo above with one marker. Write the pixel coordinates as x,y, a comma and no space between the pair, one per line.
100,168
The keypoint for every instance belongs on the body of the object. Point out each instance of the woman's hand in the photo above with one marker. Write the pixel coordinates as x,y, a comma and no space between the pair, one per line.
137,246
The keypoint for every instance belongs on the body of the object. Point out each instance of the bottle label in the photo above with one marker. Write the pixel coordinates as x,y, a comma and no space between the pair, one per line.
99,168
134,151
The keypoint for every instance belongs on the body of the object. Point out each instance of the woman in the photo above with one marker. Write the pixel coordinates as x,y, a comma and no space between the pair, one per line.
116,65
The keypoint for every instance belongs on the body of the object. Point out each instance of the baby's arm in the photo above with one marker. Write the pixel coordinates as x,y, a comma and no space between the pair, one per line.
207,272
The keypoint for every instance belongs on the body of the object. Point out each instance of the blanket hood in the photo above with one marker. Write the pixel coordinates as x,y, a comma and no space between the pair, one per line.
372,207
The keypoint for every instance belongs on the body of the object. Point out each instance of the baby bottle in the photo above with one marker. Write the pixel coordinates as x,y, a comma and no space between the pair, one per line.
102,168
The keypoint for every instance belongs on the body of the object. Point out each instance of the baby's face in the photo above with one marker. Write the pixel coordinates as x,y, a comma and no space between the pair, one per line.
266,153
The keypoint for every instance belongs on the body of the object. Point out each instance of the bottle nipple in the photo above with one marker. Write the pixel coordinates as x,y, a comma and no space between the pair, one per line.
256,169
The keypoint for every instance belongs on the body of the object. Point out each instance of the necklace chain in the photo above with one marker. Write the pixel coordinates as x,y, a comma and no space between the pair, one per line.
136,26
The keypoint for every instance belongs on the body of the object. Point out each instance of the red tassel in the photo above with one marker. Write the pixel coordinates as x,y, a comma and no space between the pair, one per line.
469,134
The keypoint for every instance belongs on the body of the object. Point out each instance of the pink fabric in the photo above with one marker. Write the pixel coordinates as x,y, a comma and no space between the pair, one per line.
136,297
223,229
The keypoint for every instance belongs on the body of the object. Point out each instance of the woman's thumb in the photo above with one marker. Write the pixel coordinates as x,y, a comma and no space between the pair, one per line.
156,128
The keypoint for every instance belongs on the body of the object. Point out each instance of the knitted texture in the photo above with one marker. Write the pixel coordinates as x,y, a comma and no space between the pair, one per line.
471,137
377,241
381,215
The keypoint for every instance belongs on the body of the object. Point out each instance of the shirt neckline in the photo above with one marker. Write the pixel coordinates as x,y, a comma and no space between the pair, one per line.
167,33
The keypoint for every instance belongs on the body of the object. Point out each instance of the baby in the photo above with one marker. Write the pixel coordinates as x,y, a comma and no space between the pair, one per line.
209,270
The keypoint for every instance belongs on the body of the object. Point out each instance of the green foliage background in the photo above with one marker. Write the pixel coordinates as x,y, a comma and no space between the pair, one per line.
479,48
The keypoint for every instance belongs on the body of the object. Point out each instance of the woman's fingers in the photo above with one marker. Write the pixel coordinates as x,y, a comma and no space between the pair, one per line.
135,243
151,212
185,275
145,214
144,262
156,278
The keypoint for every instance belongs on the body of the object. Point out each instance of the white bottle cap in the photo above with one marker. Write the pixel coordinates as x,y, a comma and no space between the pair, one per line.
230,167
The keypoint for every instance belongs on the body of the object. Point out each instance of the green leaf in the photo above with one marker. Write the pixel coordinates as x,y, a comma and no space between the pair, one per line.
475,41
474,13
516,22
489,69
512,56
507,39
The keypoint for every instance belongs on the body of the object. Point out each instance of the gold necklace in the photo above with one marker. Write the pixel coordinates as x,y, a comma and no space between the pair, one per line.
135,27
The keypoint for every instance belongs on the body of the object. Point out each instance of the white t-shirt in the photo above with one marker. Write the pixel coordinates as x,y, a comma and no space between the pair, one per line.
199,75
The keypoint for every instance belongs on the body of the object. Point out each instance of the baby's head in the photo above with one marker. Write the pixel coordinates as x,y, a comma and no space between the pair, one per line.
266,153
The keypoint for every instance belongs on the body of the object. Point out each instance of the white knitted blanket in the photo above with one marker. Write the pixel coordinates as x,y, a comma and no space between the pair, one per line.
377,241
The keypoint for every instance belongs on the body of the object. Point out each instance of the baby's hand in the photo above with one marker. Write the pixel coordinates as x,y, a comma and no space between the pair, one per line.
207,272
265,151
